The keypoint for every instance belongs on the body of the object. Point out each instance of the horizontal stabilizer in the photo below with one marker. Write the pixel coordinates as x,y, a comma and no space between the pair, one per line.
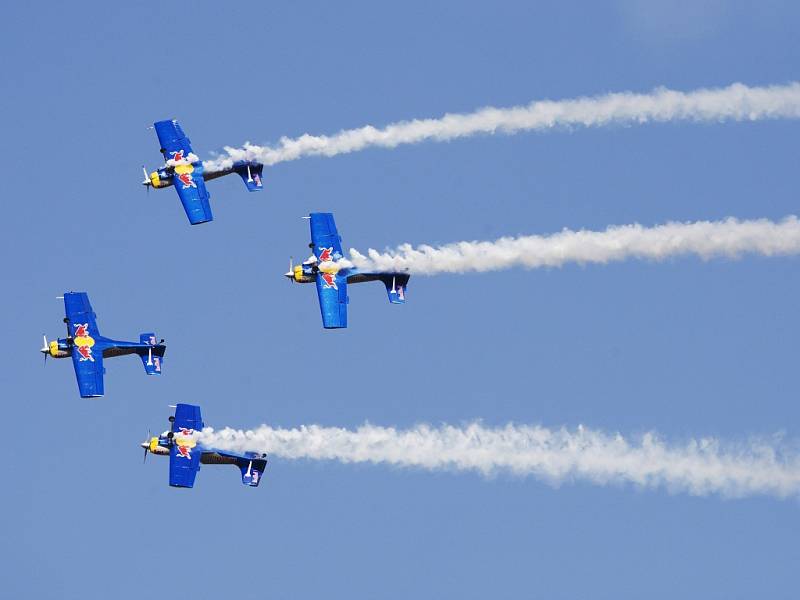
250,172
396,287
252,469
152,356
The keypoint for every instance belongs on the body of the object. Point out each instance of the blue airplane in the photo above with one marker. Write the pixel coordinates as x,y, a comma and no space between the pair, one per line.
186,454
88,348
184,170
331,273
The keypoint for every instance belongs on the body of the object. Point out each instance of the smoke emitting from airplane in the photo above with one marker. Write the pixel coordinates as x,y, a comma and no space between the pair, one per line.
729,238
737,102
697,466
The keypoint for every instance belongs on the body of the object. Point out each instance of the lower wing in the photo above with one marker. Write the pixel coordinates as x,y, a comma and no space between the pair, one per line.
183,465
88,370
191,188
332,292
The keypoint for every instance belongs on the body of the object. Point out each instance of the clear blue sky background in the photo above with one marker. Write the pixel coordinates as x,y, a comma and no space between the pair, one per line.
686,348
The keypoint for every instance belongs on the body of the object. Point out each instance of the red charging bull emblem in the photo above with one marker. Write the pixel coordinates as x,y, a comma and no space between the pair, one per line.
330,280
83,342
325,254
183,168
184,173
185,442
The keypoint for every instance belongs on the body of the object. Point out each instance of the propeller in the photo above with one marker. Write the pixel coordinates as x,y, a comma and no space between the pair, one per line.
290,272
45,349
146,446
147,183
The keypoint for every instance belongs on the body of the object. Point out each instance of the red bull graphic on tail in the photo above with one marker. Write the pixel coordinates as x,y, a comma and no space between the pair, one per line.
83,341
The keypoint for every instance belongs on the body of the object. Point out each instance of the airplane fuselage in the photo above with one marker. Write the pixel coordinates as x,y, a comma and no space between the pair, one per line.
163,177
161,446
308,270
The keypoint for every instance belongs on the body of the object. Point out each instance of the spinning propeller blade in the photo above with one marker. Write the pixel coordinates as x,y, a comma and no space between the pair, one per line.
146,182
290,272
146,445
45,349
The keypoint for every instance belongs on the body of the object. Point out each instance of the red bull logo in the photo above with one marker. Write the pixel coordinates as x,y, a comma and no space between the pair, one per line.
330,280
177,156
184,442
83,341
325,254
184,173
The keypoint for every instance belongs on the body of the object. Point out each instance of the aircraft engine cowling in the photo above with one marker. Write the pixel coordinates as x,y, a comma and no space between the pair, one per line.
160,179
56,352
301,277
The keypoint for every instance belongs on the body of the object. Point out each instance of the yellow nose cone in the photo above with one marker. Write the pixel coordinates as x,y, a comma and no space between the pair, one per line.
153,444
53,348
154,179
298,273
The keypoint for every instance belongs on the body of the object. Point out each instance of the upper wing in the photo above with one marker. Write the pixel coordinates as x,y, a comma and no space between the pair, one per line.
324,237
174,143
188,171
79,312
88,370
332,292
184,454
187,416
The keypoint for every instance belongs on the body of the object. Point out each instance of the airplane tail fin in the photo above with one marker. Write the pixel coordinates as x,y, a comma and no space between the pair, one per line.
250,172
152,356
252,470
396,287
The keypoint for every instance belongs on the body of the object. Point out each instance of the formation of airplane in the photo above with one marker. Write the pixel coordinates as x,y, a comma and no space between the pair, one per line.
88,348
184,171
328,268
186,453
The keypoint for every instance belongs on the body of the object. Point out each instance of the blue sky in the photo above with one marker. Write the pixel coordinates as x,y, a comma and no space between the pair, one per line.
686,348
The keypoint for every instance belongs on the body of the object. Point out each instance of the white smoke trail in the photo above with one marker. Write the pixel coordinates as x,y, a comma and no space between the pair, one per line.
699,467
736,102
706,239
